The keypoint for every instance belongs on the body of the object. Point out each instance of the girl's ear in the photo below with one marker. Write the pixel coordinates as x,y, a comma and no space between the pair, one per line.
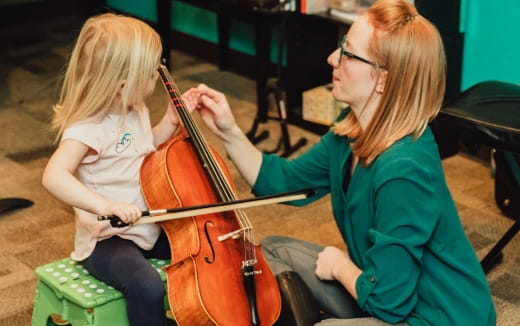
381,81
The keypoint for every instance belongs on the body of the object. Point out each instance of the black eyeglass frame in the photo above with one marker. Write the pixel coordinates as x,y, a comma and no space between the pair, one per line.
343,52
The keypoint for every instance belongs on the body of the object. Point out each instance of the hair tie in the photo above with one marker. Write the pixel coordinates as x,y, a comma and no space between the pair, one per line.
409,18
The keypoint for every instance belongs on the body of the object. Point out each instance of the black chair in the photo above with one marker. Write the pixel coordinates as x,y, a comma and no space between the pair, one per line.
489,114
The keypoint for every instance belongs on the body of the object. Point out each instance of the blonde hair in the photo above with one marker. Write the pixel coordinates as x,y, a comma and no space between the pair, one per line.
410,49
110,50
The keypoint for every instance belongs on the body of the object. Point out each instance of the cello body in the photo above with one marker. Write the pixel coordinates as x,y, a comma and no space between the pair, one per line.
205,278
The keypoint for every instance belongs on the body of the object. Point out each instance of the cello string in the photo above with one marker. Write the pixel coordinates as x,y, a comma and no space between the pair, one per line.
195,134
224,188
210,163
223,185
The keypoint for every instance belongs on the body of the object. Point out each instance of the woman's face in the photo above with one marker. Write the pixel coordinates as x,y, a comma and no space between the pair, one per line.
353,77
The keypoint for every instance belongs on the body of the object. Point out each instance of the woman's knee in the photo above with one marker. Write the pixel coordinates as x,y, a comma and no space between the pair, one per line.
289,254
271,242
275,247
287,248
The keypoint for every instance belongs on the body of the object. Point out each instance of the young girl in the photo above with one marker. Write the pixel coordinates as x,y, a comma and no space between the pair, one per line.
105,133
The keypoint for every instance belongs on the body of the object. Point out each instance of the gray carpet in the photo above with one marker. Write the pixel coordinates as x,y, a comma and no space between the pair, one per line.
30,65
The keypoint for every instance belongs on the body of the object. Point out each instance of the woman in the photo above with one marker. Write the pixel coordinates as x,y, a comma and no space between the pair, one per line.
408,258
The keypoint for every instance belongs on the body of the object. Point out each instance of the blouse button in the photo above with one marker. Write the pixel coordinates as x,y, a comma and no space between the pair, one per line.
372,279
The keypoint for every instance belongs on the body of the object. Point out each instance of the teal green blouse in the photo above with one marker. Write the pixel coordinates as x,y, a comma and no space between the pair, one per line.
401,227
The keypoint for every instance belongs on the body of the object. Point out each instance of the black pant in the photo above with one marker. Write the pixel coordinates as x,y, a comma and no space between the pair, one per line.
122,264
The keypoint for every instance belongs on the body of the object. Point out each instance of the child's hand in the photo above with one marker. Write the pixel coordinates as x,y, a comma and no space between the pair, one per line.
127,212
191,99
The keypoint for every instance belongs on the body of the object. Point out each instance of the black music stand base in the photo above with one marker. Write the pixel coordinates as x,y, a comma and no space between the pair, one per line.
284,143
275,86
494,256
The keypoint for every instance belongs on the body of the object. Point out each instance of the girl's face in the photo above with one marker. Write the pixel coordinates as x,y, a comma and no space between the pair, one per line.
353,74
148,89
151,84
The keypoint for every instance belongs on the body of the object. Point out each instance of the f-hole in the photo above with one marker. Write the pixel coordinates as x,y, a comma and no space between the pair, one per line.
207,259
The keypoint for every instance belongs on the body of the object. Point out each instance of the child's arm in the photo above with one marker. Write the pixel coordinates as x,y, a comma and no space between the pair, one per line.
166,127
59,180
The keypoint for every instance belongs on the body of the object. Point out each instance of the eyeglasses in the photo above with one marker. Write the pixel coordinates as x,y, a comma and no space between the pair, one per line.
343,52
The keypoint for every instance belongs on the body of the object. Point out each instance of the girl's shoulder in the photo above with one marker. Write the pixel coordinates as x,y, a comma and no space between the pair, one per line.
87,130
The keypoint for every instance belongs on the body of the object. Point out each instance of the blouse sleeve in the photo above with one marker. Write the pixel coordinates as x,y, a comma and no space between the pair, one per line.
407,209
310,170
85,133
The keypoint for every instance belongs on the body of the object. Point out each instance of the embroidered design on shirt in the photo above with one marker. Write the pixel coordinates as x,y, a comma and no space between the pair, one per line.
124,142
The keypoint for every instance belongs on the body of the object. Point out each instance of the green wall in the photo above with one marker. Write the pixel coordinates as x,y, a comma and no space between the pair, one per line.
197,22
491,41
491,34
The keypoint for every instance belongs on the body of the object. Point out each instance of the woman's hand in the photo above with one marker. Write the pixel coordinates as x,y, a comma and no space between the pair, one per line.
330,261
335,264
215,111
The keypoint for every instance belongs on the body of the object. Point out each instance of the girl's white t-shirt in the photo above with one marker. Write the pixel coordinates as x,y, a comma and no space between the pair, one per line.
119,144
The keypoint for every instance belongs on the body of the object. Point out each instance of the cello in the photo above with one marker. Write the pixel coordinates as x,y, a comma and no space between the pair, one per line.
217,274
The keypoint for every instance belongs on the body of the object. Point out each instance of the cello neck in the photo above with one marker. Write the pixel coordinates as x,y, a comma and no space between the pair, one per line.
219,182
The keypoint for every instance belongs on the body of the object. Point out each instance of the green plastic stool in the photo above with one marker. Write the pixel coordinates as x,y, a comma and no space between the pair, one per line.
65,288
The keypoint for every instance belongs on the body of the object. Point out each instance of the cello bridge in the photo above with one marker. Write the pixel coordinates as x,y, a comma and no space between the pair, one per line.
235,234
